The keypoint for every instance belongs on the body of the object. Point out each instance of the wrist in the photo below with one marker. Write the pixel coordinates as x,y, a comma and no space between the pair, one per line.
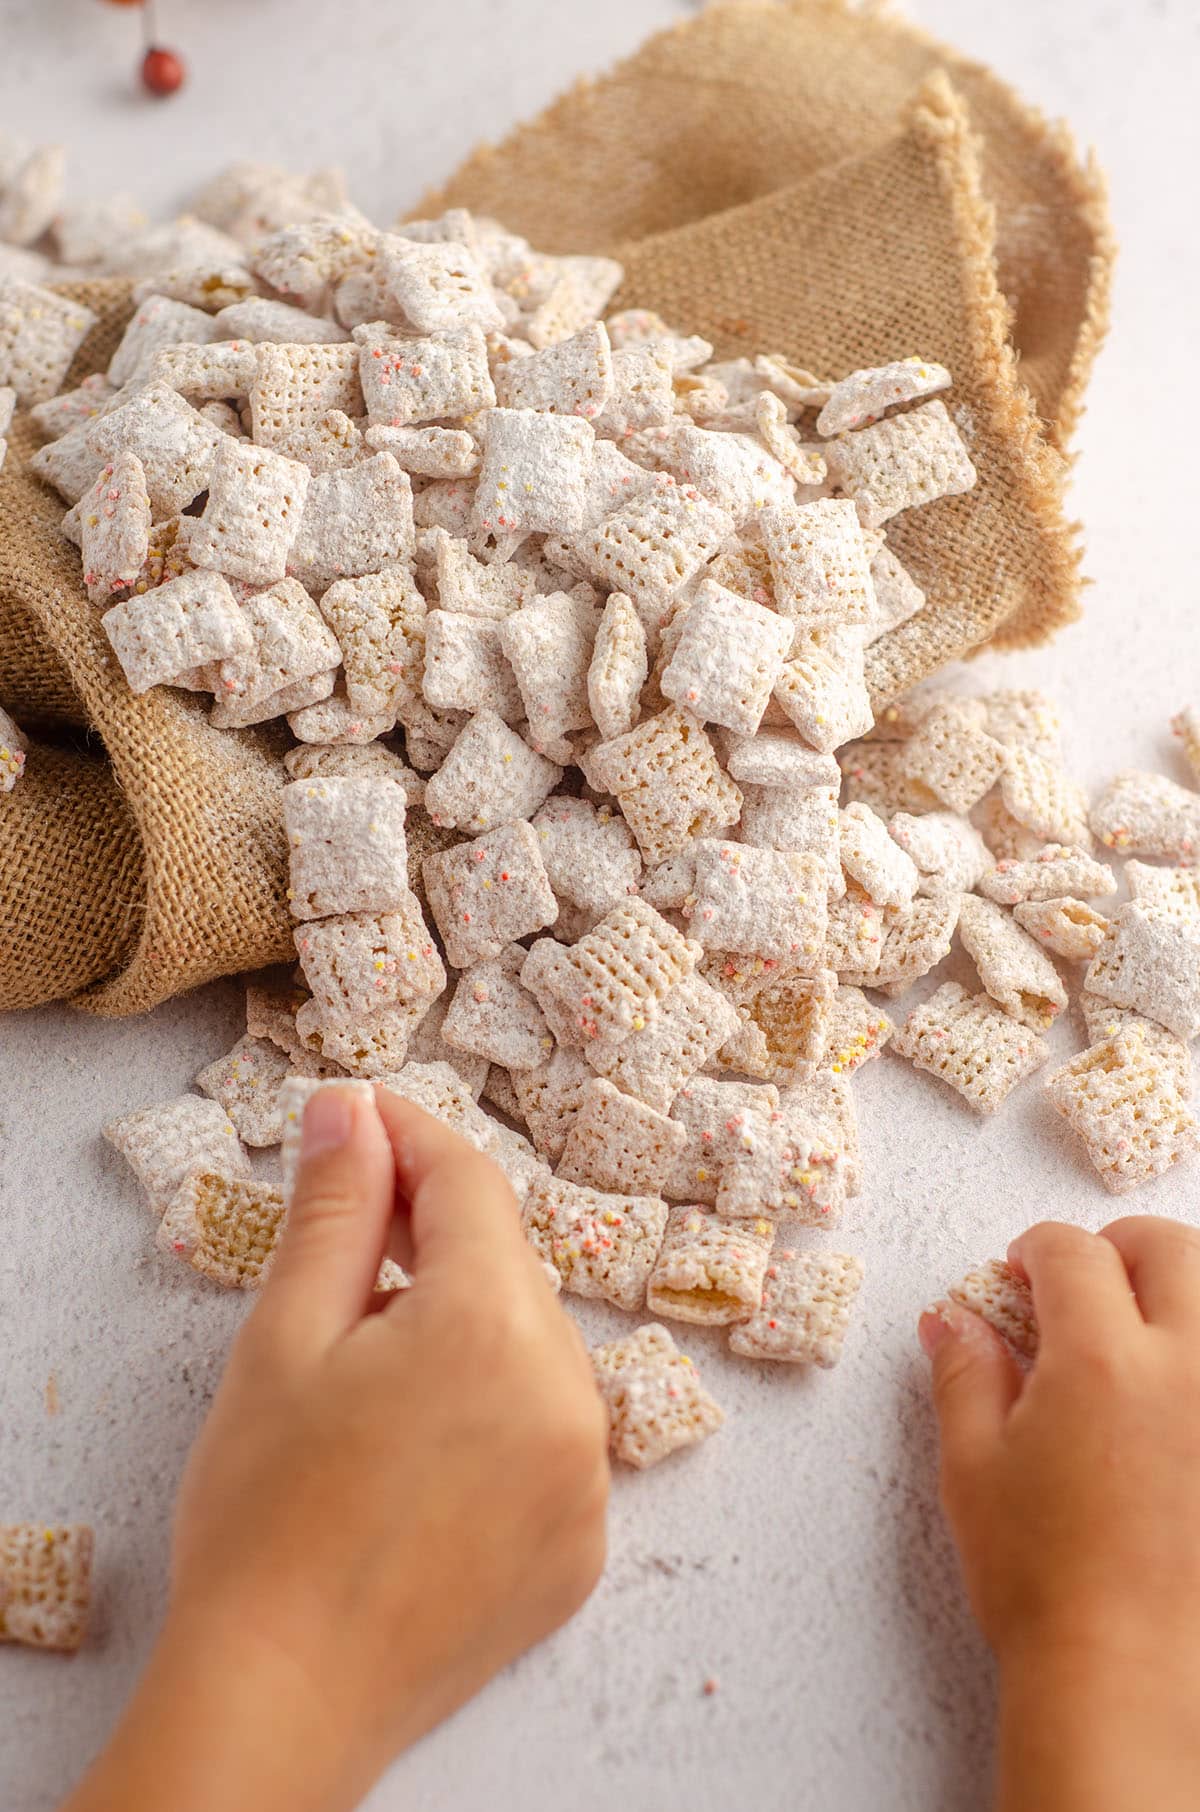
219,1707
1094,1720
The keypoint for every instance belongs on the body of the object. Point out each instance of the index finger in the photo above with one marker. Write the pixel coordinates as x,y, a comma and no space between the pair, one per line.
461,1204
1081,1289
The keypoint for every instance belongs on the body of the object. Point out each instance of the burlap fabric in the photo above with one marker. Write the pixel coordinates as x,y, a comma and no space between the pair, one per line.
774,177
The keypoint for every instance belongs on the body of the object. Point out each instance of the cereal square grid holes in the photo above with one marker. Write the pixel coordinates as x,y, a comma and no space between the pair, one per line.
655,1401
805,1312
600,1244
971,1044
347,848
488,893
709,1270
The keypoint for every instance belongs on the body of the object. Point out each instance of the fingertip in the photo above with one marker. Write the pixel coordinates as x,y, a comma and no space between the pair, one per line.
933,1328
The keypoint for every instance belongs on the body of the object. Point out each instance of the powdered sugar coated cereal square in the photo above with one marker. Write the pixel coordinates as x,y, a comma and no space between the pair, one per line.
487,893
165,1143
592,861
489,776
972,1044
874,859
466,668
40,333
600,1244
347,848
709,1270
1126,1106
764,902
996,1293
256,500
819,561
157,322
1068,928
114,526
361,966
494,1017
353,522
655,1401
727,659
860,399
670,786
1150,961
1014,970
176,627
805,1311
900,463
548,643
439,378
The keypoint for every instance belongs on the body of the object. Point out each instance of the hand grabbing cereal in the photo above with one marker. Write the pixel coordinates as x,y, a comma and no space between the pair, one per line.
384,1507
1074,1496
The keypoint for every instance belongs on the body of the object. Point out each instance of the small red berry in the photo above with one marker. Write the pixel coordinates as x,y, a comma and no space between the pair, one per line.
162,71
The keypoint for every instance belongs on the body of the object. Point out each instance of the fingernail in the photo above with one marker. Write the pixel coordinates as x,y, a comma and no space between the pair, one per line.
932,1329
327,1122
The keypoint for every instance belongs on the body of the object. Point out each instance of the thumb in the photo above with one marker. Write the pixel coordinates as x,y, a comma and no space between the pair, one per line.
976,1381
338,1219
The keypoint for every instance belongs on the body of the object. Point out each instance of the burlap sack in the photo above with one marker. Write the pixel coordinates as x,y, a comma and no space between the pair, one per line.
785,177
200,891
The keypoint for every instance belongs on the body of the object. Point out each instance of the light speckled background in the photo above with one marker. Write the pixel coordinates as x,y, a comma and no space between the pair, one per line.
800,1556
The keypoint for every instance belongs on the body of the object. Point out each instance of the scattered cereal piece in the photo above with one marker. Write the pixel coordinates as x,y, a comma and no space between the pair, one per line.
860,399
347,849
972,1044
656,1404
1055,870
226,1228
727,659
1069,928
903,461
709,1270
1044,799
874,859
494,1017
819,561
618,1143
1126,1106
361,966
953,759
1150,960
669,784
807,1297
1148,815
764,902
246,1083
294,1097
40,333
45,1584
600,1244
162,636
256,500
489,892
1011,966
488,777
1175,891
166,1143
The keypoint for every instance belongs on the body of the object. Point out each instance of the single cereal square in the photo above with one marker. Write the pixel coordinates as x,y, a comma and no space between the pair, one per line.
353,522
493,1016
807,1298
379,622
1147,815
1150,960
1002,1298
819,561
256,499
347,848
712,1113
293,648
159,321
488,777
1045,800
1015,972
947,849
669,784
592,861
972,1044
901,462
618,667
489,892
953,759
709,1270
114,529
533,476
860,399
1068,928
652,545
691,1025
1055,870
1127,1107
855,1031
618,1143
656,1404
45,1584
161,636
550,1097
246,1083
600,1244
225,1228
823,692
166,1143
1175,891
444,377
176,445
360,966
574,377
437,286
727,659
466,668
874,859
548,643
760,902
40,333
612,982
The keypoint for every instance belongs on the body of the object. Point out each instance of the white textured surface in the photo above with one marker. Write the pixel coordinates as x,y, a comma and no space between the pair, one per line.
800,1556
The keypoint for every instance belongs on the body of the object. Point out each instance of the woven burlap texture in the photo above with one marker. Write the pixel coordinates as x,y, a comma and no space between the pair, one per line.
684,161
202,892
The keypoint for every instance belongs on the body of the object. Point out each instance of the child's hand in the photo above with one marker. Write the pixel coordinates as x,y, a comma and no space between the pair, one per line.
1074,1497
382,1509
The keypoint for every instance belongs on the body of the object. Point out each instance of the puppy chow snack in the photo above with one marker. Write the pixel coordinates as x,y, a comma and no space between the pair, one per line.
655,1401
805,1310
45,1584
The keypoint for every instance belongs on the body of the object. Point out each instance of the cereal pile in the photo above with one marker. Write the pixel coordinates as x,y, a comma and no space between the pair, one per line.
592,605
